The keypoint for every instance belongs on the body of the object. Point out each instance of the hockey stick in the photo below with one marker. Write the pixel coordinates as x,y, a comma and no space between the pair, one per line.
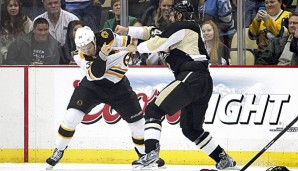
269,144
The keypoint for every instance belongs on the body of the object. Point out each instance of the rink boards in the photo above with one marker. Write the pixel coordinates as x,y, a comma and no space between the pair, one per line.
249,106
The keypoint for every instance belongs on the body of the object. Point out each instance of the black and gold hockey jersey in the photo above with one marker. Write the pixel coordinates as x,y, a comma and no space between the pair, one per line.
102,67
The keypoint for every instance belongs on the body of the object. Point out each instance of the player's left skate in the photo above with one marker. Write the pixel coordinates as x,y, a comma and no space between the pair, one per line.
226,162
160,162
148,161
54,159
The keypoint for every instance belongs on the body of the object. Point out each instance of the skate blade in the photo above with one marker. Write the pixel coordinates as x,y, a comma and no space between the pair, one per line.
141,167
137,167
49,167
162,167
232,168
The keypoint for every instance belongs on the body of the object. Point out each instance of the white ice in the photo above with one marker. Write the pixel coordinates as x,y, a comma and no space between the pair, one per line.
106,167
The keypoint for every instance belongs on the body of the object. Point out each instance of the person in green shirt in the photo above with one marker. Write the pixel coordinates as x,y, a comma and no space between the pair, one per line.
113,22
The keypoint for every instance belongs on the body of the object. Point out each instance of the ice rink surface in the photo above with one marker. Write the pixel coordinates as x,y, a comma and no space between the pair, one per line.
107,167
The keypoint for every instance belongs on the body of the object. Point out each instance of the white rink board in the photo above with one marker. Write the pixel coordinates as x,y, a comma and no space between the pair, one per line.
11,107
50,89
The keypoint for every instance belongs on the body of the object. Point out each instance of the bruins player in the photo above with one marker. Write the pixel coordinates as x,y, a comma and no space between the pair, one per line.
105,82
189,92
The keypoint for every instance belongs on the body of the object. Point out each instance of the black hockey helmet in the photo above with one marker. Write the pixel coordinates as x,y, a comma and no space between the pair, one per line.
105,36
184,7
278,168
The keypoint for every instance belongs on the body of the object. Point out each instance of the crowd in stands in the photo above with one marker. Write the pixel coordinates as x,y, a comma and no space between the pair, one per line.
42,31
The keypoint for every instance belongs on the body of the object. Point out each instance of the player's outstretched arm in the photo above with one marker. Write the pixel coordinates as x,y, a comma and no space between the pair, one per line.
121,29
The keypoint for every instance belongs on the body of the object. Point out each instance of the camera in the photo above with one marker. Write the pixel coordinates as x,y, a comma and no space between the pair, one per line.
262,8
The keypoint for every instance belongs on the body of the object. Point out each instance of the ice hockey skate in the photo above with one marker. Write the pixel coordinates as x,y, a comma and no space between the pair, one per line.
148,161
226,162
160,162
54,159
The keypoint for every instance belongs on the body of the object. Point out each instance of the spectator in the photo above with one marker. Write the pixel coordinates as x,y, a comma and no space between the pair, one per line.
136,8
70,45
266,26
220,11
138,23
157,15
293,60
218,52
14,23
33,8
88,11
251,9
58,19
35,48
112,23
161,21
162,14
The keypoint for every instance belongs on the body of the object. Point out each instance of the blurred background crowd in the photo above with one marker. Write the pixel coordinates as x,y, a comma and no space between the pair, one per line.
41,32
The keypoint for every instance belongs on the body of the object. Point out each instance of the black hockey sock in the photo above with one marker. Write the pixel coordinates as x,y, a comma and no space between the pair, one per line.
215,154
150,145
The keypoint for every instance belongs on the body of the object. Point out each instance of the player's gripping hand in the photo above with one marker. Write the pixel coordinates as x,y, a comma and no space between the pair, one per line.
106,49
131,48
121,29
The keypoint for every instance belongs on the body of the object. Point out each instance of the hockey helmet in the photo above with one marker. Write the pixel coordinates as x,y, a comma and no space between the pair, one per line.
84,36
278,168
105,36
184,7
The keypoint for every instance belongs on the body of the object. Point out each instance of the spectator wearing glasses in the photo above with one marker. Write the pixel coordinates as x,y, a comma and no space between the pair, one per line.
291,57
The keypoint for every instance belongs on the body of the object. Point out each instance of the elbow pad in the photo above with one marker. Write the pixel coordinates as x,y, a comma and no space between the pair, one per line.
98,67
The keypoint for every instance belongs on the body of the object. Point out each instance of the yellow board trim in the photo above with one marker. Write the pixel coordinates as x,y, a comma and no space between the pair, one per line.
175,157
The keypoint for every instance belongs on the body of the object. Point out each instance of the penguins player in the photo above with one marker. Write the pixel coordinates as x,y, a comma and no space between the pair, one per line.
190,92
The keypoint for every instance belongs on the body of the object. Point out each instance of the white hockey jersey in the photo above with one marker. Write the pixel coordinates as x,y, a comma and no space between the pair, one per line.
115,64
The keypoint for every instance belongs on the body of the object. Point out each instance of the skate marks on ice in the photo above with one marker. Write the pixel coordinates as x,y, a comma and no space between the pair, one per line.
228,169
106,167
88,167
63,167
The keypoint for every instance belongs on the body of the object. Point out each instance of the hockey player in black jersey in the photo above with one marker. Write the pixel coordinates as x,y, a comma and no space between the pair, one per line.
105,82
189,92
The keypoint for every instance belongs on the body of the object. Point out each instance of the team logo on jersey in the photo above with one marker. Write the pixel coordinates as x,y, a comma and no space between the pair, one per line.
126,59
104,34
80,102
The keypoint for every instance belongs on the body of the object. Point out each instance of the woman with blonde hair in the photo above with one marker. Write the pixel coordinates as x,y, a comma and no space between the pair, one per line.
218,52
162,14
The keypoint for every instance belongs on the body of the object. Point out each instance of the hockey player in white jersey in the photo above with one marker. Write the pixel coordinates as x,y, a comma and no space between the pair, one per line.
105,82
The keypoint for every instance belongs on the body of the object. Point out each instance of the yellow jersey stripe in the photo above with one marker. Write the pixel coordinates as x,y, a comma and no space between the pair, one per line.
114,74
124,41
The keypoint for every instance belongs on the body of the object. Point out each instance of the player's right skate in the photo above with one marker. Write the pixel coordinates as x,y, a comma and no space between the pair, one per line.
226,162
148,161
160,162
54,159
